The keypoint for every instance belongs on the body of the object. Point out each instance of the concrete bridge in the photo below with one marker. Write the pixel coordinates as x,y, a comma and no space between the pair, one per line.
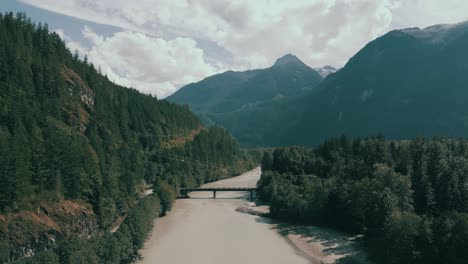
185,191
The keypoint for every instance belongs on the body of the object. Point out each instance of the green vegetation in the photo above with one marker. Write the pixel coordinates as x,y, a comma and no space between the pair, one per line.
409,198
69,134
248,104
119,247
403,84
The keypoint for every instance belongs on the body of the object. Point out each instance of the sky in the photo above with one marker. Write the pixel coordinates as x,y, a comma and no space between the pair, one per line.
157,46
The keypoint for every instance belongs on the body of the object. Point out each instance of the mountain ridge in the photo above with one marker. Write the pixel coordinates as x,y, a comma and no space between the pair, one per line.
438,32
231,97
288,59
406,83
399,85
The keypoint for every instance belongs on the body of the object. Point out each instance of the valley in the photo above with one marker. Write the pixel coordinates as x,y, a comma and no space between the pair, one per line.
206,230
403,84
211,132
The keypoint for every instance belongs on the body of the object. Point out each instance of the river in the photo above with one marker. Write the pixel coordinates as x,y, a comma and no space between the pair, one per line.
210,231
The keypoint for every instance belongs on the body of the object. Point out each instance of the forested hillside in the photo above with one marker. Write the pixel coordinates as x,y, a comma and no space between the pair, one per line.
78,154
409,198
249,104
406,83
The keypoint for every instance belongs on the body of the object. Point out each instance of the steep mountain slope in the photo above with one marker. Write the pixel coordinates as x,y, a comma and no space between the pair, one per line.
78,153
246,103
406,83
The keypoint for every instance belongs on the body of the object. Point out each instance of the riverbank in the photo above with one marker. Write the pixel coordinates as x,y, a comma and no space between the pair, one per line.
318,244
206,230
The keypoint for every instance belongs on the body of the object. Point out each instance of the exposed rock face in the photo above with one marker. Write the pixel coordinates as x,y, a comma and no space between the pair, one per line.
180,140
78,87
27,232
81,101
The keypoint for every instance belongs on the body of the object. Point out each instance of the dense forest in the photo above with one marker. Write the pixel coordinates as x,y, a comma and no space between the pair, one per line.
71,141
409,198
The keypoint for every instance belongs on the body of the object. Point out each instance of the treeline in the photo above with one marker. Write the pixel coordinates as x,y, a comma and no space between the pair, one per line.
409,198
68,133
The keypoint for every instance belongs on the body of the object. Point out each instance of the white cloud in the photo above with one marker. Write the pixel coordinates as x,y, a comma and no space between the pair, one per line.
424,13
255,33
151,65
71,44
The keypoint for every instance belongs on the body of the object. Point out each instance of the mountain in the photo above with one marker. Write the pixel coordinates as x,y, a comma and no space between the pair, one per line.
79,154
245,103
326,70
406,83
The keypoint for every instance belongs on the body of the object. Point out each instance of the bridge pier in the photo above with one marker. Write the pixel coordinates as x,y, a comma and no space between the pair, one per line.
184,194
214,194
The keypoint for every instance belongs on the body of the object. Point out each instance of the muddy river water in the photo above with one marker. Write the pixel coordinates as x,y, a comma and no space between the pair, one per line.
203,230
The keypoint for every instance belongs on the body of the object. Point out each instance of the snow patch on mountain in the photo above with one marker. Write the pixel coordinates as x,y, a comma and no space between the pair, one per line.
325,71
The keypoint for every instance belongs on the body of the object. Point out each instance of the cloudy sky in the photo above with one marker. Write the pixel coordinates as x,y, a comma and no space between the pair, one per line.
157,46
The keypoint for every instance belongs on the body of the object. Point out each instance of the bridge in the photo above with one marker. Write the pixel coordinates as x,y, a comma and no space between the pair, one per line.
185,191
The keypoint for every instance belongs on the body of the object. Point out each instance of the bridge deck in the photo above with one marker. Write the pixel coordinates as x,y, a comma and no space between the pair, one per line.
221,189
184,191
